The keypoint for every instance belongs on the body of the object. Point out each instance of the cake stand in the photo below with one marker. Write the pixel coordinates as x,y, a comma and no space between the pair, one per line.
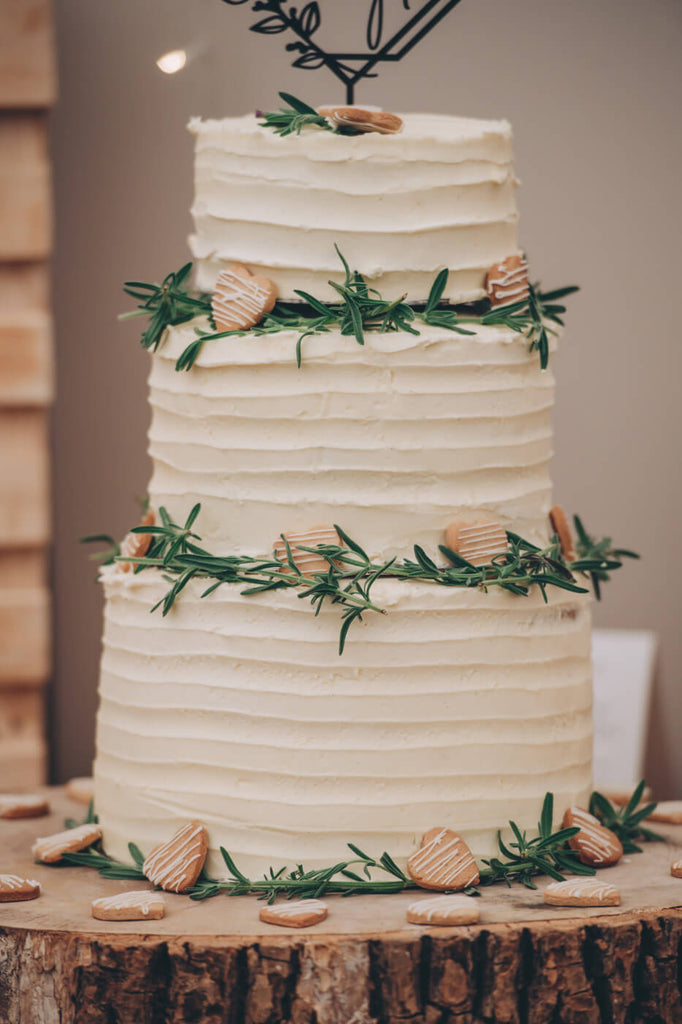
216,963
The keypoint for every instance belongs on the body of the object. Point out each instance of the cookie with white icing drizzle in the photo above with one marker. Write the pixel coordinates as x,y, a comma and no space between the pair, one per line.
668,812
557,518
306,561
442,862
361,120
241,299
294,914
14,889
23,805
595,844
176,864
507,281
582,892
478,542
49,849
136,545
81,789
140,905
444,910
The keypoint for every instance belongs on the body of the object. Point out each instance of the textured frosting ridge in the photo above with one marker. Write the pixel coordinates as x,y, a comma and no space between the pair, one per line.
456,708
400,207
392,440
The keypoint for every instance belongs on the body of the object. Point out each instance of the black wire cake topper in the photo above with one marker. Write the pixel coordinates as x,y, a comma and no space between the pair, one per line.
350,67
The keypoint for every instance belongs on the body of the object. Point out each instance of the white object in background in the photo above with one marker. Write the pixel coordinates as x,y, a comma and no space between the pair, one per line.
624,663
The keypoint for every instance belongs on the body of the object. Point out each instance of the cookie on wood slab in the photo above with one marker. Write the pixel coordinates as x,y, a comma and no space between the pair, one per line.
442,862
507,281
557,518
306,561
23,805
141,905
176,864
444,910
295,914
362,120
478,542
676,868
49,849
241,299
582,892
668,812
14,889
596,845
620,797
81,789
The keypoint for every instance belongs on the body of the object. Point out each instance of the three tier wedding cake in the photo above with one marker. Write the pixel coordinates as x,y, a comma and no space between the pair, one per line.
463,690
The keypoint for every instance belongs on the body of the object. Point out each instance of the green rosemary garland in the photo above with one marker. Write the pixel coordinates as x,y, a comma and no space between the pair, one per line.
351,573
626,821
359,309
520,861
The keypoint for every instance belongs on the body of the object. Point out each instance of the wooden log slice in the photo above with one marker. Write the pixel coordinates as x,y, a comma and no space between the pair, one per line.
216,963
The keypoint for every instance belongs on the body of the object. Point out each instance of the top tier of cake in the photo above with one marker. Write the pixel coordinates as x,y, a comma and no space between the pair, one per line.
400,207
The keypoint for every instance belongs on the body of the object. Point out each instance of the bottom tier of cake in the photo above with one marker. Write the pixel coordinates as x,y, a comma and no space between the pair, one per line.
456,708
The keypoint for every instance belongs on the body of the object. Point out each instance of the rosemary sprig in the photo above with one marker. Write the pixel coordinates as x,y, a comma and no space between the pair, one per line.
293,117
167,304
351,573
358,310
109,554
340,879
597,558
89,819
107,866
626,821
544,854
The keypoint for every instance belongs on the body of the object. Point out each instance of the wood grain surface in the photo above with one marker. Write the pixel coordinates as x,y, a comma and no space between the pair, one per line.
213,962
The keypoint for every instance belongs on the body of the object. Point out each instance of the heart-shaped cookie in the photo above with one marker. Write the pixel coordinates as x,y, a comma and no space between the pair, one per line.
595,844
241,299
176,864
14,889
507,281
442,862
49,849
82,788
141,905
557,518
444,910
23,805
667,812
136,545
477,542
294,914
306,561
582,892
361,120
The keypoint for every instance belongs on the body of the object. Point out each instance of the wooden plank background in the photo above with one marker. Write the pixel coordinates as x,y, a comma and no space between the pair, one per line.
27,89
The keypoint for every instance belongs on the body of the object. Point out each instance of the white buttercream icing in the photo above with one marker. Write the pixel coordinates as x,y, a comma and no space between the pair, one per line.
392,440
456,708
400,207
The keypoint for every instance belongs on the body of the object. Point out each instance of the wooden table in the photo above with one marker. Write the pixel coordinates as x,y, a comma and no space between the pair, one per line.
215,963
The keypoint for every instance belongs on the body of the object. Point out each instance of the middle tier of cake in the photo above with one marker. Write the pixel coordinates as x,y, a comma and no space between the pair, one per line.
392,440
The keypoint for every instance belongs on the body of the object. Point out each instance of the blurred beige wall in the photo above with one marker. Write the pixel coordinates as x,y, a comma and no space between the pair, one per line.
594,91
